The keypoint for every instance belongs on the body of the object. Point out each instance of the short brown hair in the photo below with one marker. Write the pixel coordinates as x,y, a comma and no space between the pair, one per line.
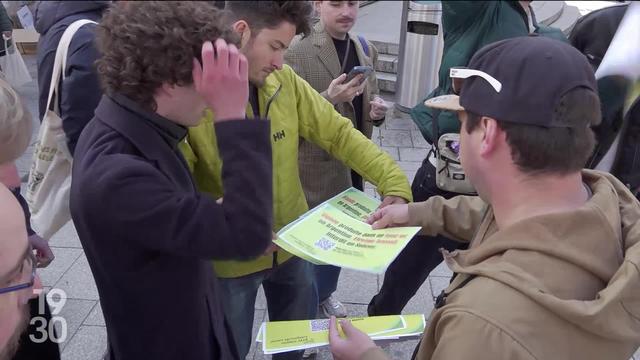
147,43
557,150
15,124
270,14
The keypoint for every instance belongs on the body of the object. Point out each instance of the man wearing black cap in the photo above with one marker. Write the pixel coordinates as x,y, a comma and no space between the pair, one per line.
552,269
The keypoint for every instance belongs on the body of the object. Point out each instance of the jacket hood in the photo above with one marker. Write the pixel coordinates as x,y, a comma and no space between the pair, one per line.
48,13
582,265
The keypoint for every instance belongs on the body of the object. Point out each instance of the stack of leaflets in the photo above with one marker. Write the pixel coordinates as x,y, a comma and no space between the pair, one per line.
335,233
283,336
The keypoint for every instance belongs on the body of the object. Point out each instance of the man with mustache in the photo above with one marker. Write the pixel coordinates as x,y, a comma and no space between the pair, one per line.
324,59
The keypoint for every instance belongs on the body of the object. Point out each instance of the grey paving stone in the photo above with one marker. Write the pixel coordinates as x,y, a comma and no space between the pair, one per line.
356,287
393,151
258,318
65,258
438,283
399,123
413,154
89,343
74,312
261,300
442,270
409,165
402,349
78,281
67,237
422,301
396,138
418,140
95,317
410,175
637,355
372,16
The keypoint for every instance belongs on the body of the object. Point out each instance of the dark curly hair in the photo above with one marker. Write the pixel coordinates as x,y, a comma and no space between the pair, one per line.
147,43
270,14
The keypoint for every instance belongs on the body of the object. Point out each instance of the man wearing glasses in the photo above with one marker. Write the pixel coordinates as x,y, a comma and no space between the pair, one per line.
18,278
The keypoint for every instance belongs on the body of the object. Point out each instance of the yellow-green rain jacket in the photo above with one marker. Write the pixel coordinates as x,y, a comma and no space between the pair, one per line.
296,110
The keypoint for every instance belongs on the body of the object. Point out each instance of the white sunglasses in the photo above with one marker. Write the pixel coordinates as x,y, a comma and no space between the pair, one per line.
463,73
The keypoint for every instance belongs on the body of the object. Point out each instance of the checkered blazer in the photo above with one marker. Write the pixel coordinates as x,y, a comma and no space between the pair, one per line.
315,59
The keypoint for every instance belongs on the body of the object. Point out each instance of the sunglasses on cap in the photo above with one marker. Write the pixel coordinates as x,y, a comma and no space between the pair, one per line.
458,74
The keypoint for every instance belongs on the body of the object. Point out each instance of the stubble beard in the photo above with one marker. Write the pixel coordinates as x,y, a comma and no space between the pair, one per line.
14,341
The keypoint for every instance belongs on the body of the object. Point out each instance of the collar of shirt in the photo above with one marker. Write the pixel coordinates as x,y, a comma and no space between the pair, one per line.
171,132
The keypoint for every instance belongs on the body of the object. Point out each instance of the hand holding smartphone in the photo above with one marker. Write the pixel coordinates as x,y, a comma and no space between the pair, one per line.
357,70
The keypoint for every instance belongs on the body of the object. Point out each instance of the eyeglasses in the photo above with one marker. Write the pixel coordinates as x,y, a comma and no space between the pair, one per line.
458,74
30,260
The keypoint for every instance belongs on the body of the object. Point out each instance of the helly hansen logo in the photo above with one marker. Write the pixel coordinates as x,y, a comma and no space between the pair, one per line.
279,135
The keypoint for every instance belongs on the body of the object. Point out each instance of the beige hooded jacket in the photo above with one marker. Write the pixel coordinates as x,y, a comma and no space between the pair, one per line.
557,286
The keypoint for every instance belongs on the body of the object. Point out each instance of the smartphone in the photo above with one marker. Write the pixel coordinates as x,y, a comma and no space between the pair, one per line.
365,70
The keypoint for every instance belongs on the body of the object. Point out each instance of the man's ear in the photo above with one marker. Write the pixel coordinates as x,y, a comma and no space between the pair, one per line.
165,90
241,27
491,134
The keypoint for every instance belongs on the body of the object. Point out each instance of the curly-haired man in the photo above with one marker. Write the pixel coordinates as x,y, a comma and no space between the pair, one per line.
148,234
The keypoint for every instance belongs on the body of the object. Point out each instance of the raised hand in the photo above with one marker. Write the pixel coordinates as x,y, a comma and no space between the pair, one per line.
222,80
339,92
378,108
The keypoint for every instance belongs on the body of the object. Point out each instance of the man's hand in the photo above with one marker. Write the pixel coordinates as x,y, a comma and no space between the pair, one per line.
391,200
379,108
389,216
351,348
222,80
6,35
339,92
44,255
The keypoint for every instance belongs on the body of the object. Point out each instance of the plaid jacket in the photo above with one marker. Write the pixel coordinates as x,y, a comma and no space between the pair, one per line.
314,58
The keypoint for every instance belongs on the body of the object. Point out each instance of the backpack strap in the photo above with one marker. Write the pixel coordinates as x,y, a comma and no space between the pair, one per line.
365,45
60,61
441,300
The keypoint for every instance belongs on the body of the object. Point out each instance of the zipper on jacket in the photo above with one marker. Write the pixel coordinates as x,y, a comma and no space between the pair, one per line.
273,97
274,264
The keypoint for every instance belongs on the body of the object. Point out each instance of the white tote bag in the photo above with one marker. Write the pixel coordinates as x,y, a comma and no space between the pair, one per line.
50,176
15,70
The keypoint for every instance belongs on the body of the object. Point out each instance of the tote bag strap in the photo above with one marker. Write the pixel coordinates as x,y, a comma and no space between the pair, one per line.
60,62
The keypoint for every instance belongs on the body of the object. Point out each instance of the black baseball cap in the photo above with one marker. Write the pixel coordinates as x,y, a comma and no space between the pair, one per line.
518,80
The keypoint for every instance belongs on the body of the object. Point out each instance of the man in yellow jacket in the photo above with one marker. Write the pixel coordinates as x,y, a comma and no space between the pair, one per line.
552,269
296,110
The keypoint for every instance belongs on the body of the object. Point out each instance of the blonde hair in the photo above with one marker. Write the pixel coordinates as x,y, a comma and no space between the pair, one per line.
15,124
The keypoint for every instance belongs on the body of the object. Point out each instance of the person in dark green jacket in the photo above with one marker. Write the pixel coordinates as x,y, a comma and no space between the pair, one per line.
467,27
6,28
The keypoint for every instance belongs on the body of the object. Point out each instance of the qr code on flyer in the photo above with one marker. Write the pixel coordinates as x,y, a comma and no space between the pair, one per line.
325,244
319,325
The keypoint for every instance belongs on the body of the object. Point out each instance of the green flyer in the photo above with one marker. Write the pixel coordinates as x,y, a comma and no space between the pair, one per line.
355,203
329,236
282,336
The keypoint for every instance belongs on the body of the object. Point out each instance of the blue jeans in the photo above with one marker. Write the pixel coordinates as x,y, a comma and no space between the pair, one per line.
326,280
290,292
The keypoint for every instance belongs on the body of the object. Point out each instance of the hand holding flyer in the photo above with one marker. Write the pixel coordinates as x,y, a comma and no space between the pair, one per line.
335,233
